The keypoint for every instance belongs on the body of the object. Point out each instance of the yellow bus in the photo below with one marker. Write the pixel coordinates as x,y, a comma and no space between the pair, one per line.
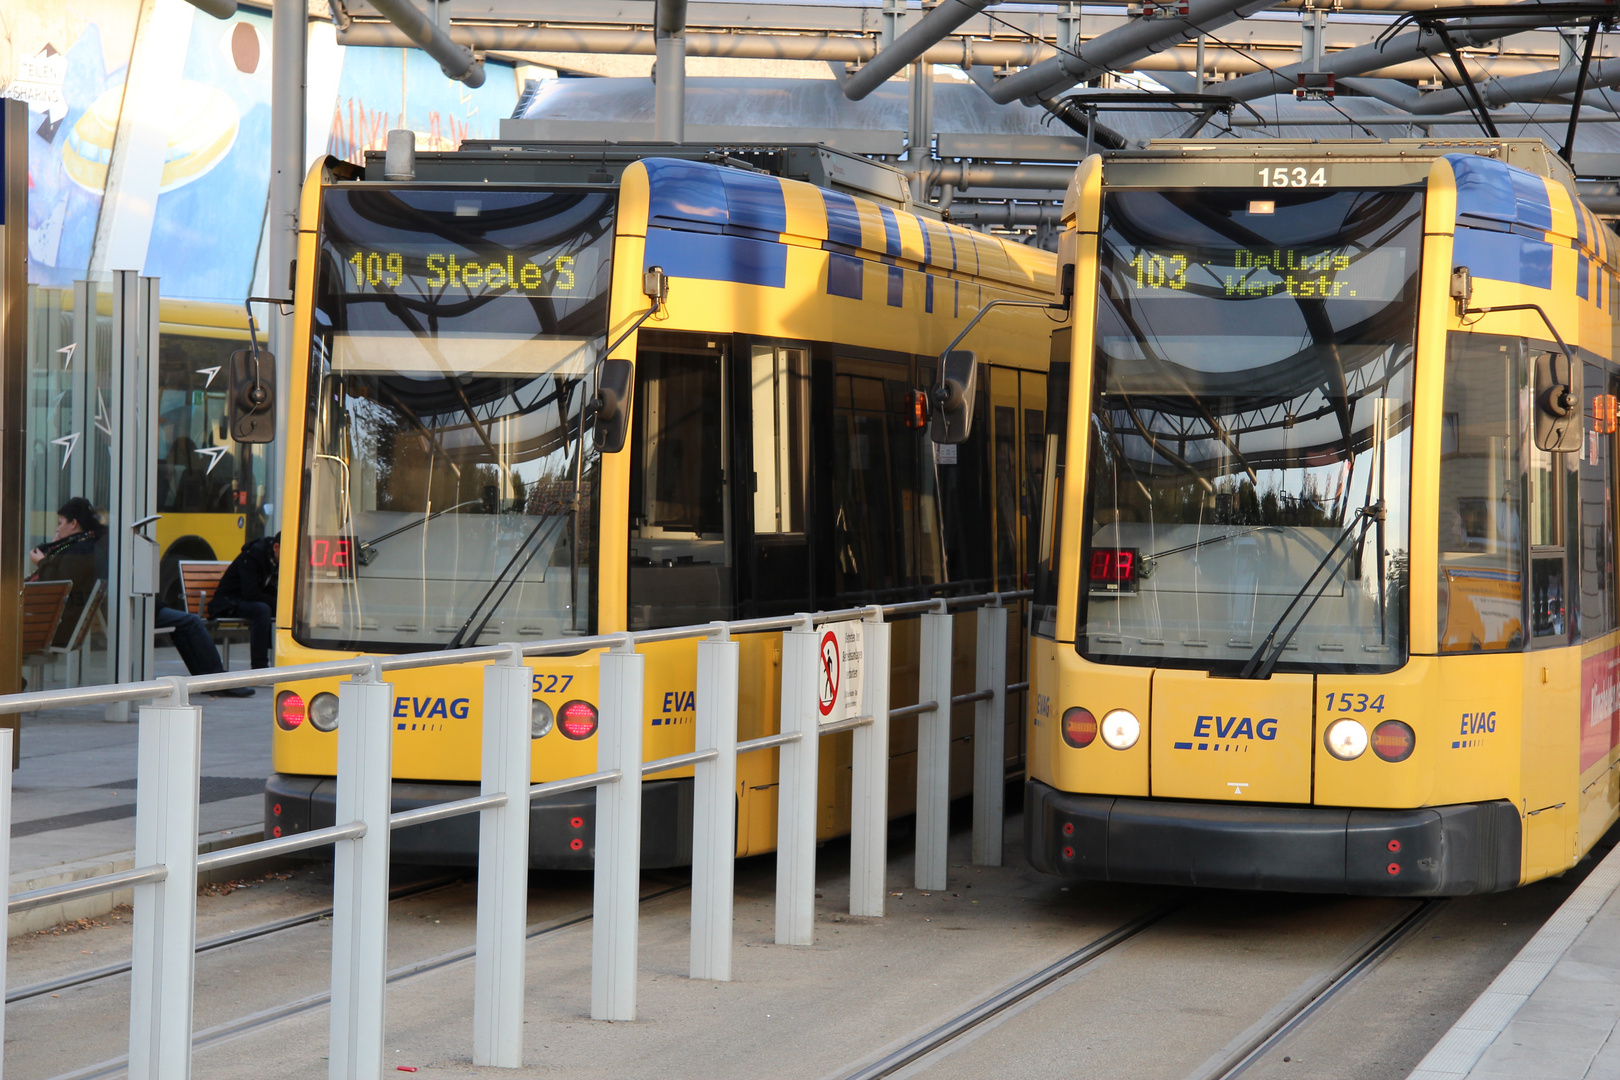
462,481
1326,595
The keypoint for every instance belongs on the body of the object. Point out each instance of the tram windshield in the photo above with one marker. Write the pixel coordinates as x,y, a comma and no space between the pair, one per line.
1251,429
450,487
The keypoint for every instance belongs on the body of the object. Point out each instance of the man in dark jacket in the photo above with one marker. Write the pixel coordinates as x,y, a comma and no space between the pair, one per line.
247,591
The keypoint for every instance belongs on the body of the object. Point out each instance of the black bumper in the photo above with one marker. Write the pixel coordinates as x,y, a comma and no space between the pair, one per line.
1434,851
562,829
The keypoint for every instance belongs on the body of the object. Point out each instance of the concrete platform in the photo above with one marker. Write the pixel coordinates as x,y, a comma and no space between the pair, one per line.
73,796
1552,1013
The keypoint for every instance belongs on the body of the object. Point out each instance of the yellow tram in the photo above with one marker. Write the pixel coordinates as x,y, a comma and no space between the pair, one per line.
1326,593
773,333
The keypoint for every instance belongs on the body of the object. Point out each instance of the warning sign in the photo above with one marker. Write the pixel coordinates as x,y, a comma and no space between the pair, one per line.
838,678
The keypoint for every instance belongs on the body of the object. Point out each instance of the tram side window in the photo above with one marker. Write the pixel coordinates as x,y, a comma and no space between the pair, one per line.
1048,555
680,566
885,517
964,490
1596,485
779,423
1481,597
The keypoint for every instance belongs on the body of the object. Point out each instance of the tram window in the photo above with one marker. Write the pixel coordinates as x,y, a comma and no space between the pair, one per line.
965,489
1481,571
680,569
780,390
198,464
1595,484
1006,496
1043,613
885,517
1029,501
779,579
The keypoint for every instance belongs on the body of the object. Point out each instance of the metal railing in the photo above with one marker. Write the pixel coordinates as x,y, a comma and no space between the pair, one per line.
813,703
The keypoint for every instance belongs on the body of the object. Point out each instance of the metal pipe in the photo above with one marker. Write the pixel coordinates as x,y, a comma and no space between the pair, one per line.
963,175
768,741
911,46
404,819
74,890
219,9
281,845
913,710
573,783
1006,214
456,61
1497,92
959,52
1121,47
669,97
1415,45
679,761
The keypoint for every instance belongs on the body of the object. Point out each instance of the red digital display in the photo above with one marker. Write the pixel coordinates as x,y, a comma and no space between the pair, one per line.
1114,569
332,556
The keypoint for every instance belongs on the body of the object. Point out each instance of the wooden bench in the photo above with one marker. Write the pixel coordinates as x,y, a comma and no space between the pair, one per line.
42,605
199,581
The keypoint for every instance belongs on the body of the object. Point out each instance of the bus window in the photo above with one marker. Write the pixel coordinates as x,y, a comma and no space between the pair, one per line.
779,422
680,565
1481,578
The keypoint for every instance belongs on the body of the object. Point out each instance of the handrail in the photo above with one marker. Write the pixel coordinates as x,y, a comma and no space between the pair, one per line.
439,811
977,695
679,761
768,741
573,783
74,890
913,710
281,845
36,700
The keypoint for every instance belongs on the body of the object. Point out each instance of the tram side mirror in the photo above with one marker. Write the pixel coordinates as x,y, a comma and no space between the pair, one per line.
252,396
1558,409
953,398
612,405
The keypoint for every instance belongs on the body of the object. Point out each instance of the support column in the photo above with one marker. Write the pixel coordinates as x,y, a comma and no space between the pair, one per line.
869,782
132,475
289,38
990,737
503,865
13,390
797,765
168,763
614,930
920,133
714,810
934,749
669,94
360,878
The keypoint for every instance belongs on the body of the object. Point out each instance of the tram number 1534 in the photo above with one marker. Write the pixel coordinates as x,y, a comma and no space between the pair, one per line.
1298,176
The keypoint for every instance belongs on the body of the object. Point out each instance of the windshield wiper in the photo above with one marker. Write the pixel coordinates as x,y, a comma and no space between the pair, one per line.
367,548
461,634
1261,664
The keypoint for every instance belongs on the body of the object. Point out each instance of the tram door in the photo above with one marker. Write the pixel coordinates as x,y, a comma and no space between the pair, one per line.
680,518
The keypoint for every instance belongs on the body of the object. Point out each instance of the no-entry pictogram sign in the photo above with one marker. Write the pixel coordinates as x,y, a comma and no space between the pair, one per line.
831,667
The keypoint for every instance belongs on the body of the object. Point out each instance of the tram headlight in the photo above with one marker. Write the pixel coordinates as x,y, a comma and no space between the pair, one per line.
323,711
1121,729
1393,741
540,718
1079,727
1346,739
289,710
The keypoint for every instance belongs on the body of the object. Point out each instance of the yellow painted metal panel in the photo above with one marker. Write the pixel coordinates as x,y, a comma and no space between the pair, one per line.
1231,739
1100,688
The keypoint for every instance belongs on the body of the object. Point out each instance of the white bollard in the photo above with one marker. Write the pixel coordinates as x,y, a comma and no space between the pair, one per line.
934,748
503,864
990,737
169,758
360,877
6,737
714,807
797,764
618,834
869,782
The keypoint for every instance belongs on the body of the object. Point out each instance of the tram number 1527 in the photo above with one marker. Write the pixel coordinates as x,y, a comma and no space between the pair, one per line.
1298,176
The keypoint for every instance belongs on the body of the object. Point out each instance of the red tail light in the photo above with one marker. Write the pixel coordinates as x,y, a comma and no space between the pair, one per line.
290,710
1079,727
577,719
1393,741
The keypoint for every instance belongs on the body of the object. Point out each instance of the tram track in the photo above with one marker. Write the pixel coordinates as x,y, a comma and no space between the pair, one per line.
244,1025
235,937
1254,1045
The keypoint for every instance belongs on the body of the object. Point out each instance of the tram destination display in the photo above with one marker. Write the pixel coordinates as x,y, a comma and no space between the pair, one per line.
1306,273
482,270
